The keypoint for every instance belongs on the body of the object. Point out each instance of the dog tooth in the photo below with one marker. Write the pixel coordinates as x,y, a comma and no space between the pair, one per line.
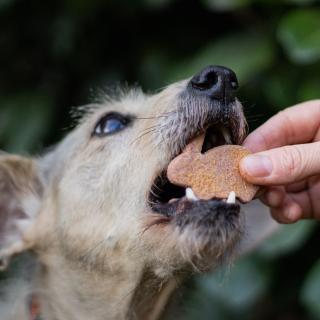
190,194
226,135
231,198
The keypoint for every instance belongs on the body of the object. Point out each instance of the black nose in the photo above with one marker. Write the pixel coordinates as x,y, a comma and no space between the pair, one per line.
215,82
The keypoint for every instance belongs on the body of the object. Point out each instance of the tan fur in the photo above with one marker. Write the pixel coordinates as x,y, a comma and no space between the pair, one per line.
87,216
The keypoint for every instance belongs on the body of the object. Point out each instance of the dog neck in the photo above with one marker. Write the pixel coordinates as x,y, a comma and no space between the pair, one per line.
85,295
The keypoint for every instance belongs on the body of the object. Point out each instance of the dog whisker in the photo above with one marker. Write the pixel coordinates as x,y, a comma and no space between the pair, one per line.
148,131
144,133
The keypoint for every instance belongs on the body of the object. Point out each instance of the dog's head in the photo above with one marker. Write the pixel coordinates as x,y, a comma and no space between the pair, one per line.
101,198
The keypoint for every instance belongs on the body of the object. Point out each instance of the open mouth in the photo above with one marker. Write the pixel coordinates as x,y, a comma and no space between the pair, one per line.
170,200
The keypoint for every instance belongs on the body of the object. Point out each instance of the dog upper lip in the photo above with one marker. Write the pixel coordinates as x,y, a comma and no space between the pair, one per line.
215,135
229,130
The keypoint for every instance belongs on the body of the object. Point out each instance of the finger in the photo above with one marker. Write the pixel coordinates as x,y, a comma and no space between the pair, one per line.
283,165
297,186
293,211
313,192
289,212
274,197
295,125
295,206
304,201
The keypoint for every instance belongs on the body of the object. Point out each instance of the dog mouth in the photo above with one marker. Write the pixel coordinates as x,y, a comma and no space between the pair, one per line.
170,200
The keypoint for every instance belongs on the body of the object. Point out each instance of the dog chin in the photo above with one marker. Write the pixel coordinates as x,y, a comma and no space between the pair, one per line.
209,232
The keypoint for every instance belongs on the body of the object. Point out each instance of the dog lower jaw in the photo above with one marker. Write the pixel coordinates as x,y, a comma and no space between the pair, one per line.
209,233
206,233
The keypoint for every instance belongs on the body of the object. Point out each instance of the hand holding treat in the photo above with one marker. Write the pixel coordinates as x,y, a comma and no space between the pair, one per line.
213,174
286,162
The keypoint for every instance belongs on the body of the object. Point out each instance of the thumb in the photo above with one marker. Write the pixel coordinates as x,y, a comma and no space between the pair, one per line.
282,165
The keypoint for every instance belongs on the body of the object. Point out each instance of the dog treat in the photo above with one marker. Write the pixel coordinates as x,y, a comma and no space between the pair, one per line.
213,174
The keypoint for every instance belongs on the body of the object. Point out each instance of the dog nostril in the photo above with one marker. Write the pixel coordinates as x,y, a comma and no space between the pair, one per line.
204,81
215,82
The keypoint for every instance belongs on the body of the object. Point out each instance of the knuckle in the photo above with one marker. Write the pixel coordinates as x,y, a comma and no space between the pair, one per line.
291,161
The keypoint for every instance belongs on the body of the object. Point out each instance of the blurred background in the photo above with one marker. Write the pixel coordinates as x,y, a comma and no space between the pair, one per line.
58,54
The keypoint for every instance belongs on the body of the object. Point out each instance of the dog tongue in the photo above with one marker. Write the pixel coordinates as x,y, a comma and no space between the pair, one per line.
213,174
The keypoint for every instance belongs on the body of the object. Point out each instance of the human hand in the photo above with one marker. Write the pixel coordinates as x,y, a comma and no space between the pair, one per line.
287,162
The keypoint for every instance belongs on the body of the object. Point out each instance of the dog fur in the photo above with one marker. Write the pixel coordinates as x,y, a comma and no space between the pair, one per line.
82,211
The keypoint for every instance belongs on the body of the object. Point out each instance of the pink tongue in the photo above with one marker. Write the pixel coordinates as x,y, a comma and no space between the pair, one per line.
213,174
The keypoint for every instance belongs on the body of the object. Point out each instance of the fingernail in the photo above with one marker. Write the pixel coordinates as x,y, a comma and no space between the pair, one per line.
257,166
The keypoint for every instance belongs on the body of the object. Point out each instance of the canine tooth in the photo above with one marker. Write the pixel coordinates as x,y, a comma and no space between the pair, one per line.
231,198
190,194
226,135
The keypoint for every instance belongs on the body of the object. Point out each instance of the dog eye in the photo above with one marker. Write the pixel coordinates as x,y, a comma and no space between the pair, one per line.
110,123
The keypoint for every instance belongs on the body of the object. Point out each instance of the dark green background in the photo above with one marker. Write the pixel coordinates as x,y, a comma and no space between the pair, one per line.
58,54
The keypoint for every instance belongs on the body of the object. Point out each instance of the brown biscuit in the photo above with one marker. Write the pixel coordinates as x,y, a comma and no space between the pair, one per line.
213,174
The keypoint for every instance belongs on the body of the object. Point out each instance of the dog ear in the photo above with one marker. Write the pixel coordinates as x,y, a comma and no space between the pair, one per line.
20,199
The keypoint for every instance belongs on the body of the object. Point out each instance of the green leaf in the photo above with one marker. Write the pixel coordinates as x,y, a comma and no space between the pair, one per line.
299,34
247,54
288,239
310,292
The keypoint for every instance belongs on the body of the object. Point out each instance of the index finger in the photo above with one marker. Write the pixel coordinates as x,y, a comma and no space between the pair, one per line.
294,125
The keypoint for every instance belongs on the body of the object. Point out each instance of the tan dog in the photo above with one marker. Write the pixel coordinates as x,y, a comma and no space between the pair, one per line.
111,235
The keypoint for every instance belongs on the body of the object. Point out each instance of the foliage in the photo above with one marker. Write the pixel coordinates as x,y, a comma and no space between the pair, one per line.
56,54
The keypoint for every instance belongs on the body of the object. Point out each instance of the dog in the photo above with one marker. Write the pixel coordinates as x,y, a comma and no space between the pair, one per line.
111,236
